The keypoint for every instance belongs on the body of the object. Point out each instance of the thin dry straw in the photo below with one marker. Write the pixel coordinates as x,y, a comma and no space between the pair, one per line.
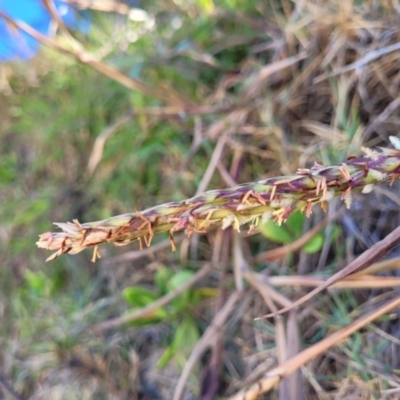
275,198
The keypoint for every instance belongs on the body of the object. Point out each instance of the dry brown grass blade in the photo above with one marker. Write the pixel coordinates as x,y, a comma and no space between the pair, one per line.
212,165
360,280
89,59
274,376
382,117
386,265
287,340
101,5
208,337
228,124
291,387
259,78
162,301
377,251
190,109
351,282
266,291
361,63
51,8
98,147
97,151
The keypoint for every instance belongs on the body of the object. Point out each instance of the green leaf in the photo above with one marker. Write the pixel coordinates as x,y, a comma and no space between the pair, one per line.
162,277
275,233
168,353
8,168
315,244
206,5
179,279
154,317
37,282
138,296
336,231
187,297
186,336
205,292
295,223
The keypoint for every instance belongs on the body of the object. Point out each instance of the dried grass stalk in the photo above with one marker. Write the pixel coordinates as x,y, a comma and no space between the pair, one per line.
251,203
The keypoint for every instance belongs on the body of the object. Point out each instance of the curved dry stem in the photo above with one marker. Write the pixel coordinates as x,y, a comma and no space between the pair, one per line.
273,377
209,335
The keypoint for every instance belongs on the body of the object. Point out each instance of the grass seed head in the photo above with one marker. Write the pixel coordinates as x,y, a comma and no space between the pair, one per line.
275,198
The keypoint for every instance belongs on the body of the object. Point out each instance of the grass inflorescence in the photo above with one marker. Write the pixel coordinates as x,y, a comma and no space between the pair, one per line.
249,203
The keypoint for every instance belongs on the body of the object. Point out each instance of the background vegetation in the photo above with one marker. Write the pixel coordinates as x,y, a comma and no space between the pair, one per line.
213,93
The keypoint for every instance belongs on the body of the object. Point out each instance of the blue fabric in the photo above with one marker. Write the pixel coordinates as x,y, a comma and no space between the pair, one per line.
19,44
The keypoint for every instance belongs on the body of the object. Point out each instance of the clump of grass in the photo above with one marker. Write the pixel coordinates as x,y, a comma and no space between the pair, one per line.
275,198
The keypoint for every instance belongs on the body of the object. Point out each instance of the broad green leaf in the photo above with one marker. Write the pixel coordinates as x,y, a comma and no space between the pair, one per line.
295,223
168,353
186,298
179,279
207,292
154,317
315,244
138,296
162,277
275,233
186,336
